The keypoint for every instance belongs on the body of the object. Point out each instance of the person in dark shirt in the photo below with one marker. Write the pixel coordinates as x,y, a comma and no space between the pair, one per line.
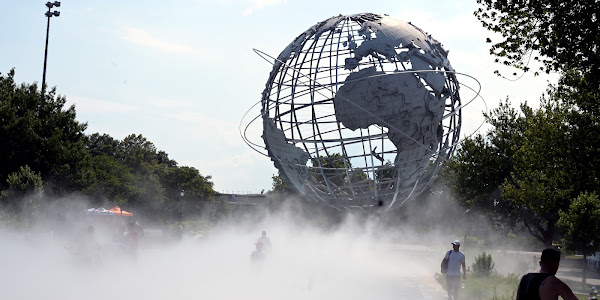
544,285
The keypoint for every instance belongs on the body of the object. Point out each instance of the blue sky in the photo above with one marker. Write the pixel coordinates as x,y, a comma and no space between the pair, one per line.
182,73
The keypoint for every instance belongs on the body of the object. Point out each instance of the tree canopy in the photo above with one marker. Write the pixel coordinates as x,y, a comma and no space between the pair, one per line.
43,147
541,184
580,222
581,226
554,159
37,131
525,169
562,35
483,162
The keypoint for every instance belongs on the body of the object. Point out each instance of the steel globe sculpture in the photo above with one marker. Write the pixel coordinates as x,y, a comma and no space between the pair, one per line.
361,111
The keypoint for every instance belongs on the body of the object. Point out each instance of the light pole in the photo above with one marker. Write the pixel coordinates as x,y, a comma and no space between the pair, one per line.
48,14
182,193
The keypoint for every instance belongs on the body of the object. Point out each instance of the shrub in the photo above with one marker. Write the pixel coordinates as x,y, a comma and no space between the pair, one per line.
494,287
484,265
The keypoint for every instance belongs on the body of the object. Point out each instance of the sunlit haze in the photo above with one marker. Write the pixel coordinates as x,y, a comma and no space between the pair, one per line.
315,254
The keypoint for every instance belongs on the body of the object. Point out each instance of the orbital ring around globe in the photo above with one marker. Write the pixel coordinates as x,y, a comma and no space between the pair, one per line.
360,112
262,149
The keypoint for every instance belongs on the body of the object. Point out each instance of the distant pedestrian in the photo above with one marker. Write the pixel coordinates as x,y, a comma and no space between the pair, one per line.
139,228
453,260
179,232
265,241
132,240
544,285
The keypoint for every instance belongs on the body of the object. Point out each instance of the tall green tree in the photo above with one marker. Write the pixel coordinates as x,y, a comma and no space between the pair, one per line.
104,144
139,154
561,35
37,130
25,189
484,161
198,189
521,172
559,157
280,186
111,181
581,226
584,120
337,169
541,184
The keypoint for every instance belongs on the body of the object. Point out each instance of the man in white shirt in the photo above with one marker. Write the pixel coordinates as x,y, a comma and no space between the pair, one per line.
455,259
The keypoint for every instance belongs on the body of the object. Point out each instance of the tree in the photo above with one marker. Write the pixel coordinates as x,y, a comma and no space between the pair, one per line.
483,162
25,189
561,136
138,153
198,189
104,144
133,172
386,172
26,180
329,167
520,172
111,181
37,131
483,265
583,116
541,184
565,34
280,186
338,170
581,226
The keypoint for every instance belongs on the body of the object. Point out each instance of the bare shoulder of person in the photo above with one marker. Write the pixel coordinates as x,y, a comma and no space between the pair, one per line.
553,287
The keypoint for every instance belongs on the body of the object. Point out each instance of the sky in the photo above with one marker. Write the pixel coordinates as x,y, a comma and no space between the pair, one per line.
183,73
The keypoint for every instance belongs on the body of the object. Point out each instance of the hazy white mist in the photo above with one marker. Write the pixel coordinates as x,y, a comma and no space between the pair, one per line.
359,258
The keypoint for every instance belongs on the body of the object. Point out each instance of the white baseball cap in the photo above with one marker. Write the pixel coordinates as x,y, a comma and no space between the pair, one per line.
456,242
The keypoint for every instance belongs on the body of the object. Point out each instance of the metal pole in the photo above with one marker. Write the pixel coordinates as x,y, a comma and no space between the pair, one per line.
46,52
182,193
181,210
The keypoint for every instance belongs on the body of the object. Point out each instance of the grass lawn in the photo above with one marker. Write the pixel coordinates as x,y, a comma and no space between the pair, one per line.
496,287
499,287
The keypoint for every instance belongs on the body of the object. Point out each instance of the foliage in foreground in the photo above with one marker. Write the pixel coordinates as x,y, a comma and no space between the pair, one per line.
483,265
45,154
495,286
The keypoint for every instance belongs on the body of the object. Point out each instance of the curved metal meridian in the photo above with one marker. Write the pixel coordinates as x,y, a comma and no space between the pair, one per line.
360,111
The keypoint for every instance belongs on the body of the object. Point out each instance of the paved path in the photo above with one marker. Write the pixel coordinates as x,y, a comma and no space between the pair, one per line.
576,275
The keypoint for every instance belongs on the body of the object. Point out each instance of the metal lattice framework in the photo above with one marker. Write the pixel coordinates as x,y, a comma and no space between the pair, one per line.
349,111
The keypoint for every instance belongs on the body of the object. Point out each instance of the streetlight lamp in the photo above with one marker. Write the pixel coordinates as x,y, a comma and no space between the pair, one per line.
48,14
182,193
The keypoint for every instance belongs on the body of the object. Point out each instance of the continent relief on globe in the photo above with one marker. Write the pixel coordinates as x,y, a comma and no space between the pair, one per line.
289,159
400,103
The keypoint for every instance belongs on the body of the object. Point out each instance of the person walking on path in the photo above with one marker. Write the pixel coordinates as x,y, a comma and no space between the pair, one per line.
454,260
544,285
265,241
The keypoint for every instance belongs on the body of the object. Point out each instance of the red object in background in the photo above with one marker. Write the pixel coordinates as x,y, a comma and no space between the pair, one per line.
117,210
